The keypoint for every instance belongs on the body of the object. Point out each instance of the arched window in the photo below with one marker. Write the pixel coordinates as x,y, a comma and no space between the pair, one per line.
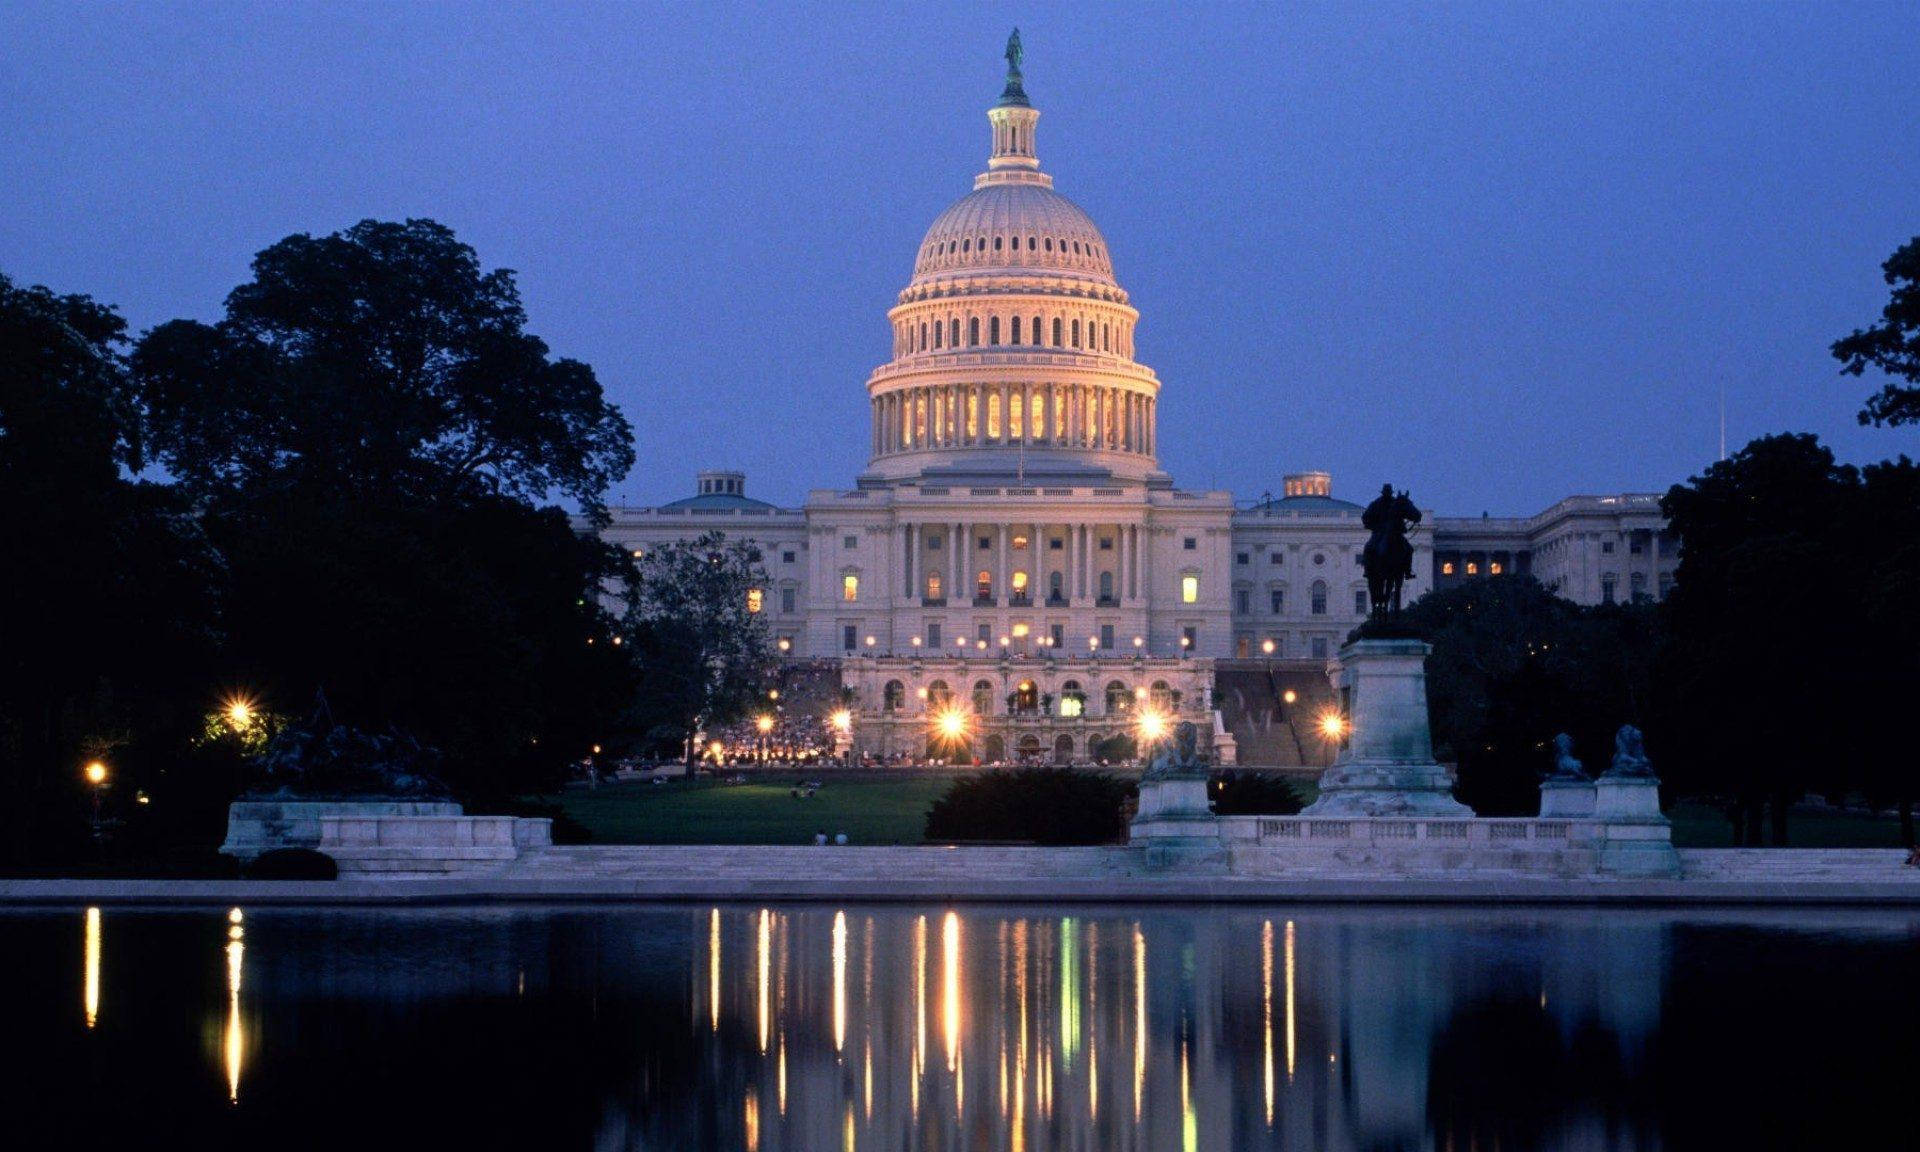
1056,331
939,695
973,331
1076,333
923,337
1014,336
1036,331
993,415
996,243
937,326
1319,597
983,697
1190,589
1030,244
1073,702
1119,698
1160,696
893,697
966,245
1049,243
1106,337
993,330
953,332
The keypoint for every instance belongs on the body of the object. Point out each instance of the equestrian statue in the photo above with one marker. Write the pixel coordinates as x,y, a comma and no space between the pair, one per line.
1388,556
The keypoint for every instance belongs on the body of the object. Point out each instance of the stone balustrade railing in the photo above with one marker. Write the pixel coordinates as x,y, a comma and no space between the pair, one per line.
1332,832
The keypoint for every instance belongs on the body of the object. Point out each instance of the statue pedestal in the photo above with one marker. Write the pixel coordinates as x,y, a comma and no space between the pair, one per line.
1176,823
1566,799
1385,765
1639,840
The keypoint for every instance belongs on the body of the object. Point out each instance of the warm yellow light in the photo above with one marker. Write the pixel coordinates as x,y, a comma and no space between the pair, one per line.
596,749
773,693
96,773
1290,696
1267,647
922,693
240,712
1189,589
843,720
765,724
1333,726
786,645
716,749
951,723
1139,641
1153,725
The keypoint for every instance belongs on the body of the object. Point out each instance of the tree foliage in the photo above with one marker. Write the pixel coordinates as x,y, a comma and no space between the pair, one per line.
704,648
1041,805
379,360
1792,626
1512,666
113,594
1892,346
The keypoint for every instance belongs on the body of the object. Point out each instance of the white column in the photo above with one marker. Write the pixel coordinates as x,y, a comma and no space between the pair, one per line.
1001,588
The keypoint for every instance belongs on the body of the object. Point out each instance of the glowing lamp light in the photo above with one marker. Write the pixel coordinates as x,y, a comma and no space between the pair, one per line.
765,724
1333,726
786,645
1267,647
923,693
1290,696
596,749
871,641
1139,641
773,693
1153,726
915,641
95,772
843,720
951,723
240,712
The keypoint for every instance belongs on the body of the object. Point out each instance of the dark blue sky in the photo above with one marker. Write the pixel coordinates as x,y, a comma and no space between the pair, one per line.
1501,254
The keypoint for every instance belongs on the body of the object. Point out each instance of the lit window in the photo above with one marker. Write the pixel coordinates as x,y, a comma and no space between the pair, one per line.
1189,589
1494,568
1020,542
933,585
1473,569
754,599
850,588
1070,706
1446,569
1019,582
1020,631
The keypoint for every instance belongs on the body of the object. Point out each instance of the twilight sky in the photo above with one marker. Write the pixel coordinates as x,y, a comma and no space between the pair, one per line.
1497,253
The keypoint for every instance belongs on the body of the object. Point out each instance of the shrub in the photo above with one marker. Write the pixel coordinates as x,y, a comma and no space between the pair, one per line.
1253,794
293,864
1040,805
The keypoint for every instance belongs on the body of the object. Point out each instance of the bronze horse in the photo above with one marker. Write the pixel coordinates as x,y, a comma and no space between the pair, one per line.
1388,556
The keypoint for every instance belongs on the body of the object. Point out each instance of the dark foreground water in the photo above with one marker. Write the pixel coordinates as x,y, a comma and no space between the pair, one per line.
875,1027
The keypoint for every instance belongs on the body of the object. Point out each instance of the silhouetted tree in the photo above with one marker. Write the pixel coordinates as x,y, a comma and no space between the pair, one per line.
372,434
112,595
1892,345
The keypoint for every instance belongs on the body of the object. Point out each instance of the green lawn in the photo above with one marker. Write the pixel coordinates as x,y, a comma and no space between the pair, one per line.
870,809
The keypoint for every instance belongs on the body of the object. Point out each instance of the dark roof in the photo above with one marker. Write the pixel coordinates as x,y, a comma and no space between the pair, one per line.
721,501
1306,504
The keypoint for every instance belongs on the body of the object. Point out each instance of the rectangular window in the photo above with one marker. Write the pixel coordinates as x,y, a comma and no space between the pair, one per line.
1055,544
1189,589
786,599
1273,558
1606,547
1277,600
1190,543
850,588
933,634
1106,636
1056,635
933,543
986,543
848,641
1446,568
1495,568
984,633
1360,602
1319,647
1106,543
850,542
1189,638
1242,601
1606,589
786,557
755,599
1240,558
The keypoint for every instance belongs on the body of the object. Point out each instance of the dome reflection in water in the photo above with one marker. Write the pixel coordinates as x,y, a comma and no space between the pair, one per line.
814,1027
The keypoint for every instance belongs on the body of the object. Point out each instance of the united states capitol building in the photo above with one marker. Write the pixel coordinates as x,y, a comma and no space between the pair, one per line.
1015,554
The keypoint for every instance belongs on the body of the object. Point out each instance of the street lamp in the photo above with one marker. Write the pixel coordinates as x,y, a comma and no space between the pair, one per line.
96,776
765,724
1267,645
1289,696
1333,726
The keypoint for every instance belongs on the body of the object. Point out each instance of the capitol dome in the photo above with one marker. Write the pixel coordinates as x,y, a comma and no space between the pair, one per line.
1013,342
1013,228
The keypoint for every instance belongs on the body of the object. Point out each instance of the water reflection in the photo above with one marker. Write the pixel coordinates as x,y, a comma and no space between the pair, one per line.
810,1029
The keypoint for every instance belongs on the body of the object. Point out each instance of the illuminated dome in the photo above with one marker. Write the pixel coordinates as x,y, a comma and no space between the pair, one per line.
1013,342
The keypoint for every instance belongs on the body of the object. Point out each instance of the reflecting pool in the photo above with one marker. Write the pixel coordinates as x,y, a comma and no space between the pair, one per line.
822,1028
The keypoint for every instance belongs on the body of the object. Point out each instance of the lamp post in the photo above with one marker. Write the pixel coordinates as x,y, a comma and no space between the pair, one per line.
96,776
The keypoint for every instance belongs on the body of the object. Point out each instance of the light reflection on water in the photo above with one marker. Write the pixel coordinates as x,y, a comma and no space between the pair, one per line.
808,1028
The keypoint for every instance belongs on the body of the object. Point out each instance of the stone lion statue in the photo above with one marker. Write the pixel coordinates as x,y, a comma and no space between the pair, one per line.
1182,754
1630,753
